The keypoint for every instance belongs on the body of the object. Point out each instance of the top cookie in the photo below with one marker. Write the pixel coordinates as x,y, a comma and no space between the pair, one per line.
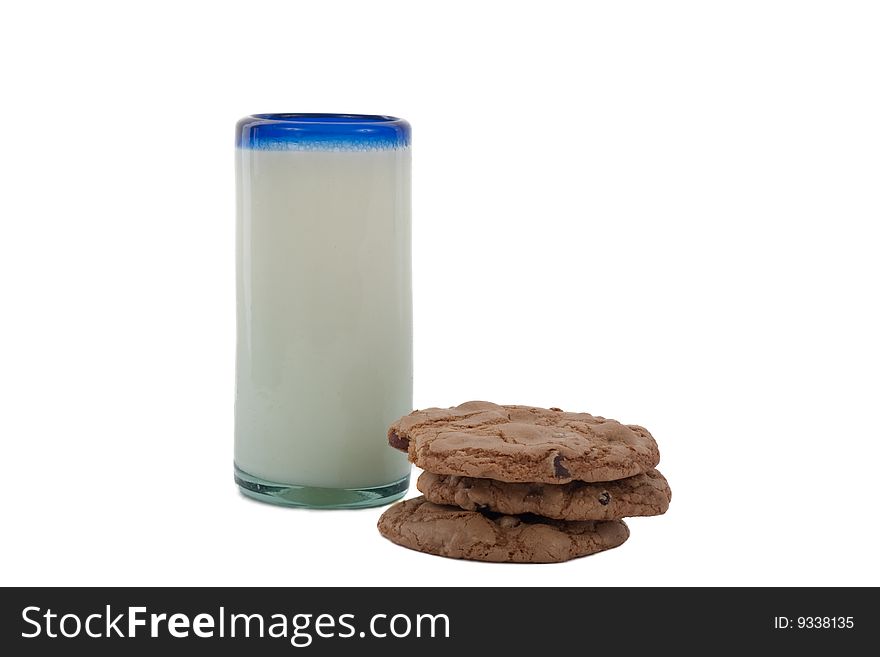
523,443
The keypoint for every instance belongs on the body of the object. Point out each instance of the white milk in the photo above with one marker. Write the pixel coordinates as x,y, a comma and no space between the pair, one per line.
324,353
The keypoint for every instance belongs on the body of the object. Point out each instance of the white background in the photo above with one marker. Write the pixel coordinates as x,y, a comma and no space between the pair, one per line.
663,213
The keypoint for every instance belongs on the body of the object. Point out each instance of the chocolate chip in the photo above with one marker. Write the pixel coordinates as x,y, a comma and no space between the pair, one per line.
397,441
605,498
560,469
553,408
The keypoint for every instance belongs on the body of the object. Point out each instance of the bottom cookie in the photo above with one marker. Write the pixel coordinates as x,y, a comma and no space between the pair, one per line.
449,531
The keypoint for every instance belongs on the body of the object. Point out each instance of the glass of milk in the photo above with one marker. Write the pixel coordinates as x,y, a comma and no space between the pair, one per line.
324,308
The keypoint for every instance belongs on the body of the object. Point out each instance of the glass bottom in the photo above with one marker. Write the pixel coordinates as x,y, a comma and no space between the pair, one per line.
313,497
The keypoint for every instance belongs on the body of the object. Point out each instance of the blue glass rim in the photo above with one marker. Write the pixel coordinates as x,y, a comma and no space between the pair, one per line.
303,131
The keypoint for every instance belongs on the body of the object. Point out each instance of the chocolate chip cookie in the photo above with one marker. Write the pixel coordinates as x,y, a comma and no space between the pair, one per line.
523,444
452,532
642,495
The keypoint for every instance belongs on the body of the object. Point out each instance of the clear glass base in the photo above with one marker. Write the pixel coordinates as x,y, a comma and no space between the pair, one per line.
313,497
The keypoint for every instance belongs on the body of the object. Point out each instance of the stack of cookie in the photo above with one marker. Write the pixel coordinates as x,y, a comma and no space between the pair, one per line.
522,484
